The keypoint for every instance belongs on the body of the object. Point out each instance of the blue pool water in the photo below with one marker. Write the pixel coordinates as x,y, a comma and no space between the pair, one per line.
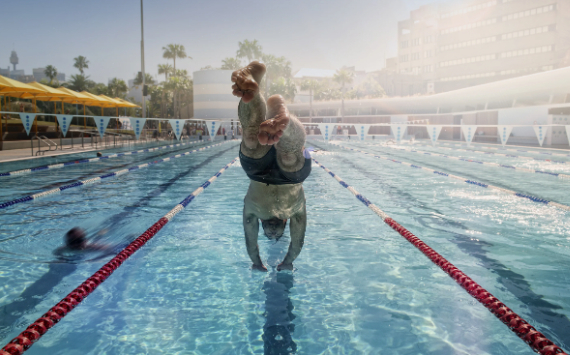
358,287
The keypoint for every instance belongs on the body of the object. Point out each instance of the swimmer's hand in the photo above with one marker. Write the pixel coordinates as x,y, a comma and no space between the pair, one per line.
284,266
259,267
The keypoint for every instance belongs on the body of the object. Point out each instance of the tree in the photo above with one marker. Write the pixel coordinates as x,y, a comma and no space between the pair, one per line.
51,73
99,89
231,63
275,67
117,88
283,87
148,79
249,50
370,88
173,51
78,82
311,85
208,67
81,63
178,84
165,69
343,77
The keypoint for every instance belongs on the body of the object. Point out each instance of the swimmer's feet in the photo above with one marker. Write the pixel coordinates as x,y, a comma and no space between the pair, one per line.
247,81
284,266
272,129
259,267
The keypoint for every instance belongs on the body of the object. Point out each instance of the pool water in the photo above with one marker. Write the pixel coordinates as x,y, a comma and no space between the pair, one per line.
358,287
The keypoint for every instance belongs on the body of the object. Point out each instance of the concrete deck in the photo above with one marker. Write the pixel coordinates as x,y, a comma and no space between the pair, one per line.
26,154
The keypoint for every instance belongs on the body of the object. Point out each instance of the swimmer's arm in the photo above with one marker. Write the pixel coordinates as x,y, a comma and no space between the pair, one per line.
297,227
251,230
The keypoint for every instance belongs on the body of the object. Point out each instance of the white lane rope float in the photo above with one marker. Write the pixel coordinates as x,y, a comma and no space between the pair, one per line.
83,161
476,183
559,175
536,340
99,178
509,149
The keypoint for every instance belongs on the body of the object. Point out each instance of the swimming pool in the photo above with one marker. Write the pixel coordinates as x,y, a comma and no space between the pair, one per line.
358,287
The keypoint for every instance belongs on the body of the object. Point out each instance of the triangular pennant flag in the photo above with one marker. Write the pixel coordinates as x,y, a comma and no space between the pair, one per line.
540,133
398,130
468,132
213,128
137,124
326,130
433,132
177,126
64,123
28,121
102,122
504,133
568,133
362,130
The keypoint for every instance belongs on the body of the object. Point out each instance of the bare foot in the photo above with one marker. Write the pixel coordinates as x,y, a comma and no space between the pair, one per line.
272,129
284,266
247,81
259,267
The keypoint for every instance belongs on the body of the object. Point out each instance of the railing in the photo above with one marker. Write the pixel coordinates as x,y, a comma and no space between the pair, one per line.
42,139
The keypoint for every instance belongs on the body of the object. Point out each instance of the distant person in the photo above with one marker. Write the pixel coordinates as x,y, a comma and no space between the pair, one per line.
99,154
76,241
273,156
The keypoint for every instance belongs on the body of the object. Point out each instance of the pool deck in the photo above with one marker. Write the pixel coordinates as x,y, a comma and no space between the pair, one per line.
25,154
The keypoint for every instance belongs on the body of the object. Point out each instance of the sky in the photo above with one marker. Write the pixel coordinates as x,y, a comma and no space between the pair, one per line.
310,33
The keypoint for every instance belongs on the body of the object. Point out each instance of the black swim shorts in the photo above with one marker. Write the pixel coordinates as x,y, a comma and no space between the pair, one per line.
267,171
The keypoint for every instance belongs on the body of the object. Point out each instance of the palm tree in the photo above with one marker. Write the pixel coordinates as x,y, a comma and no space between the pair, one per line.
81,63
117,88
148,80
249,50
275,67
343,77
283,87
78,82
311,85
165,69
51,73
173,51
231,63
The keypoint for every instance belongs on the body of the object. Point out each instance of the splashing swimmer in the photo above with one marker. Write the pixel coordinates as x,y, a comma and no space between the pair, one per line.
273,156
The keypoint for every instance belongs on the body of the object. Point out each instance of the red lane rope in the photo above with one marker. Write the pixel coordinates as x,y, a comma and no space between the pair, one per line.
535,339
28,337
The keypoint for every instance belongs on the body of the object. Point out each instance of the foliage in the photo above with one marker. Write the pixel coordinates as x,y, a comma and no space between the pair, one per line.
173,51
283,87
80,82
343,77
99,89
325,93
165,69
51,73
250,50
117,88
370,88
148,79
231,63
208,67
81,63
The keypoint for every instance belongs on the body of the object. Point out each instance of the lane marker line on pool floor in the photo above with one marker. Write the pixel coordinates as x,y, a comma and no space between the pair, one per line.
82,161
503,155
38,328
536,340
99,178
476,183
559,175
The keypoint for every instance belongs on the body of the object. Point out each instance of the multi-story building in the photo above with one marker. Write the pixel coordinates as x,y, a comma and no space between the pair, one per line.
464,43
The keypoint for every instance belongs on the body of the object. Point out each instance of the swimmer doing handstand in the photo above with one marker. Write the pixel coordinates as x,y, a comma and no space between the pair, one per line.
273,156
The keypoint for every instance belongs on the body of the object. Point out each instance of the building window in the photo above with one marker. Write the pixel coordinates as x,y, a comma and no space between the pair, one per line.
527,51
404,44
474,42
526,70
529,32
415,56
415,42
531,12
469,26
471,76
428,54
469,9
429,39
480,58
404,58
428,69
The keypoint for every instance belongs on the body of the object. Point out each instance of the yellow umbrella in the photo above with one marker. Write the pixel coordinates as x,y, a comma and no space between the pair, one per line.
77,98
8,85
49,94
126,103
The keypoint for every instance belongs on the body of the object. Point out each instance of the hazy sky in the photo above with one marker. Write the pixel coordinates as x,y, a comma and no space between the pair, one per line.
310,33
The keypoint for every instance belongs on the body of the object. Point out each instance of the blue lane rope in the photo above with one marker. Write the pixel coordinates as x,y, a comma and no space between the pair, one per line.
99,178
476,183
82,161
559,175
507,155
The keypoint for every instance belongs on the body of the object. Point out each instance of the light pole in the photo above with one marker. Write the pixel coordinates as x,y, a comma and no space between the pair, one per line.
142,63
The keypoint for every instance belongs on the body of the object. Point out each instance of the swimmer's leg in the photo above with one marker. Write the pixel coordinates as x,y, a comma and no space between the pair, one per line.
297,228
251,109
286,132
251,231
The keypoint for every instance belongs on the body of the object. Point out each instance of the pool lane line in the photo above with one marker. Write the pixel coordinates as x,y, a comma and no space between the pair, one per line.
512,150
559,175
82,161
536,340
503,155
99,178
38,328
472,182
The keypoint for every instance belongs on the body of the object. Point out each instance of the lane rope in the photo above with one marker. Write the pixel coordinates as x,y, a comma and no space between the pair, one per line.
83,161
472,182
559,175
503,155
28,337
511,150
100,178
536,340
